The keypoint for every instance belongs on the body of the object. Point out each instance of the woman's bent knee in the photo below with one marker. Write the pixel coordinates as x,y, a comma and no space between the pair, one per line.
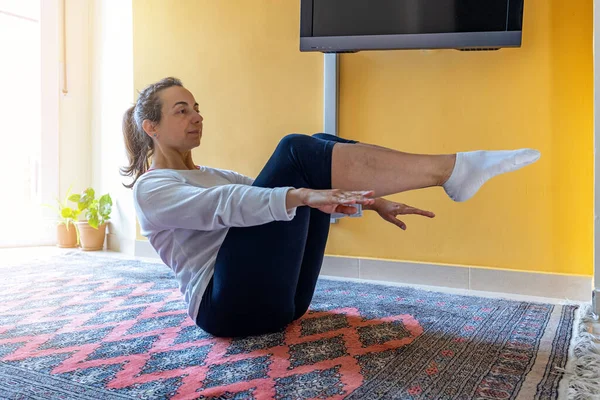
294,142
324,136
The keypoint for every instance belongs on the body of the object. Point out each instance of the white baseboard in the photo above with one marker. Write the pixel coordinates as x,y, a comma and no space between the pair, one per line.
29,233
596,302
143,248
555,286
121,245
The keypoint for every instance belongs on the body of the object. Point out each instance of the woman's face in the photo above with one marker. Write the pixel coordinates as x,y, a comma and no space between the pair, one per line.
180,127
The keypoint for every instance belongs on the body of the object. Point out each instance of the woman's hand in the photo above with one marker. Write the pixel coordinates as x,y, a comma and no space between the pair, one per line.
388,210
329,201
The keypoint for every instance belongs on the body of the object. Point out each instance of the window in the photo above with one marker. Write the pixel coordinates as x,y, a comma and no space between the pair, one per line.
29,128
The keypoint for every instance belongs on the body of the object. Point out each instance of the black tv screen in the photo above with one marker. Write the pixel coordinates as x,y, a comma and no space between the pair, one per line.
354,25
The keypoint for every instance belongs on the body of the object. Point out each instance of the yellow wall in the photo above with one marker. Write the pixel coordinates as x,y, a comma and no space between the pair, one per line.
243,65
241,62
537,96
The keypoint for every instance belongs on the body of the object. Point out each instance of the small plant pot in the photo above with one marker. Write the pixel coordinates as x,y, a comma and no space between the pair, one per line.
91,239
66,238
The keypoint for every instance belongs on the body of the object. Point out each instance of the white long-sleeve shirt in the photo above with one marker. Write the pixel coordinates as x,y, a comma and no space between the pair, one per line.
185,214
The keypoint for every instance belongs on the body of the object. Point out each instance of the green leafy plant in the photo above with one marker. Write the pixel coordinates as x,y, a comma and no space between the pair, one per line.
97,211
67,215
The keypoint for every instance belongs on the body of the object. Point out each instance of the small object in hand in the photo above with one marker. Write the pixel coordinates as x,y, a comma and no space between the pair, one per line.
357,214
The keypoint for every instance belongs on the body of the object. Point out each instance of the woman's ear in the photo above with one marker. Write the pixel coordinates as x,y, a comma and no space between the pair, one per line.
149,128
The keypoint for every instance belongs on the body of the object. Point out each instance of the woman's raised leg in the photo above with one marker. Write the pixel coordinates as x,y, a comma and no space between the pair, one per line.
367,167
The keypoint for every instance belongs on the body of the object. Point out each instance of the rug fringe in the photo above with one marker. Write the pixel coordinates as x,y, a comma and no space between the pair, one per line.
582,372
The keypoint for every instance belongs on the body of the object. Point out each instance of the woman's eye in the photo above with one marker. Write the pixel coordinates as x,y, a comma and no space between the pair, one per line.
182,111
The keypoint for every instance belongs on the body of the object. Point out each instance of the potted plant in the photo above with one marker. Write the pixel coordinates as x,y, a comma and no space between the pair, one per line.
92,231
67,234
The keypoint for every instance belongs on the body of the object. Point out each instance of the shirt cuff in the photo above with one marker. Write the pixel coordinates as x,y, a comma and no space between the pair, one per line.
277,205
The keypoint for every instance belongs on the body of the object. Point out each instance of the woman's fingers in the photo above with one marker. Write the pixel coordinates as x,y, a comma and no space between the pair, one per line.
423,213
355,197
417,211
318,198
400,224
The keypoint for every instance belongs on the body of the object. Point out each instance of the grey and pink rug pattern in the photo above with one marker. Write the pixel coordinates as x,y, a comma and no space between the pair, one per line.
79,327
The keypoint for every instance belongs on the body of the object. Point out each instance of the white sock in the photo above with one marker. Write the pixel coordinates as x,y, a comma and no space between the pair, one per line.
474,168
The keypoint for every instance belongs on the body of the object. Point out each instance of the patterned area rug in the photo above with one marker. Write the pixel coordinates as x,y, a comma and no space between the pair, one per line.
87,327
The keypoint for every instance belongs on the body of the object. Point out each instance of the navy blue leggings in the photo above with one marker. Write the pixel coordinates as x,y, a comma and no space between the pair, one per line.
265,275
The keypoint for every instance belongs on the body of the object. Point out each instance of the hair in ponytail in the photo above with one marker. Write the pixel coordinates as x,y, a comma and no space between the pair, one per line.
139,145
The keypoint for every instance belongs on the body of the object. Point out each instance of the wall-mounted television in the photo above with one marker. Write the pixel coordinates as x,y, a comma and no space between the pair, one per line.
336,26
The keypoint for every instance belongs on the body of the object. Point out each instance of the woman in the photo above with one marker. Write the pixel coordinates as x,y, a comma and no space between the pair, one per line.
247,253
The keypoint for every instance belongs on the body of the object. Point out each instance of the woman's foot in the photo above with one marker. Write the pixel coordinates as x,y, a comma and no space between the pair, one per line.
472,169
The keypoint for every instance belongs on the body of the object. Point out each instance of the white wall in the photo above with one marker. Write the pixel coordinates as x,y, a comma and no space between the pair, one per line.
75,168
99,61
112,93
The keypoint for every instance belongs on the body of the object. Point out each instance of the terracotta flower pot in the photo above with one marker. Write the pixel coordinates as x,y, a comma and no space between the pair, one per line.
66,237
91,239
